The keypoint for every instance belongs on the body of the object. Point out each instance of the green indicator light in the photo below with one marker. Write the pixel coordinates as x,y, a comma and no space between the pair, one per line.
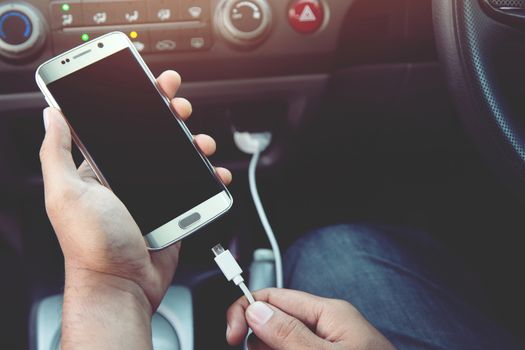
66,7
85,37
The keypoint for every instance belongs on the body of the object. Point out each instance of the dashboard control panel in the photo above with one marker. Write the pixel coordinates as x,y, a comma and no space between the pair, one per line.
154,26
202,39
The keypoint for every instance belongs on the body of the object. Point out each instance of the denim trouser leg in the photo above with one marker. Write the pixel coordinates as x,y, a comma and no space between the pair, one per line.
401,281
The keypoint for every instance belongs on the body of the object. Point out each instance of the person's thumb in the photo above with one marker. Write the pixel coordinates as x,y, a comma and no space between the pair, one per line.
55,154
280,331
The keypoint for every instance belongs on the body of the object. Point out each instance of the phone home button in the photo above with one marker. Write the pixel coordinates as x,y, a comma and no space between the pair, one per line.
189,220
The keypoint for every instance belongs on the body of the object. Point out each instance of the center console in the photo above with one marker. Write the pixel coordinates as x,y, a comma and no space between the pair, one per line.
172,324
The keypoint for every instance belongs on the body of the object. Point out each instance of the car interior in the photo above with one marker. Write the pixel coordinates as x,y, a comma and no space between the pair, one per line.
407,113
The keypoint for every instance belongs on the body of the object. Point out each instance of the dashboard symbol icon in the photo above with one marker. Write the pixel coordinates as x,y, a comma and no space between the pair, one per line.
67,19
197,43
133,16
139,46
195,11
307,15
164,14
165,45
100,17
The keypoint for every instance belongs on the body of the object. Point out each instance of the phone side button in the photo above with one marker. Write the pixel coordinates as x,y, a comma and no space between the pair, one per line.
189,220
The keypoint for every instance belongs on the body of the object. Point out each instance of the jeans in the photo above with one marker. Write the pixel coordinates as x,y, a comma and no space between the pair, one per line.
403,283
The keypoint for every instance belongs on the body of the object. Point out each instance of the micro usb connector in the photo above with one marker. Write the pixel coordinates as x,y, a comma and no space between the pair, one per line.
231,269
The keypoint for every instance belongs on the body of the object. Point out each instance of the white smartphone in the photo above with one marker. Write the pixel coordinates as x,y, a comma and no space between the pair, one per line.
123,124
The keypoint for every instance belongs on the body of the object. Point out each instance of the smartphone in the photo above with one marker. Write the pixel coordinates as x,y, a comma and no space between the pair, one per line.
123,124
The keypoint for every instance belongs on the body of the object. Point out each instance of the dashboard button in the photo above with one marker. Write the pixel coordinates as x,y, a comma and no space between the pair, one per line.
163,10
140,38
165,40
130,12
66,14
245,24
306,16
15,27
195,10
22,31
96,13
196,39
246,16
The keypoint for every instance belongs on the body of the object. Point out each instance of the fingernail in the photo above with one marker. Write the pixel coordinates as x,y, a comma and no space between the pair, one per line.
46,118
227,331
259,313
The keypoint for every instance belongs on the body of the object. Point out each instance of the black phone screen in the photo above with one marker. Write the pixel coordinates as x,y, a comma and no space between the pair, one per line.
132,134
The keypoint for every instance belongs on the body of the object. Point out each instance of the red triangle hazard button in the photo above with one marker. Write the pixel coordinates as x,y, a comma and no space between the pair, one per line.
306,16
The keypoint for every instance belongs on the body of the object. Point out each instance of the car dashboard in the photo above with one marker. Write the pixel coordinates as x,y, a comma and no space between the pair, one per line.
285,67
223,38
275,55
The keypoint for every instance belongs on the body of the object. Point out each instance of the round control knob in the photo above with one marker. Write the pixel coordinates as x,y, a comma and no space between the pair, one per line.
22,30
244,23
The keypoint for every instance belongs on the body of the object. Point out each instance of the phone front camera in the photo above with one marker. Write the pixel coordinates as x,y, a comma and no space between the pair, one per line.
100,45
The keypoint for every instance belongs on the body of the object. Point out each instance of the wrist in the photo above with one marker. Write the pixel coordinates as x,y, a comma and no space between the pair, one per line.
103,286
100,308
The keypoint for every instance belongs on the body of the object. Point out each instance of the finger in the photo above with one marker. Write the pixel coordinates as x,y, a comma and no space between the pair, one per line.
322,315
58,166
86,173
279,330
303,306
182,107
168,256
255,343
225,175
237,328
206,144
169,82
306,307
167,260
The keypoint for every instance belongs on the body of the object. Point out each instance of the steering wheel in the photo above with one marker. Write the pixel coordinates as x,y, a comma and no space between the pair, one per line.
481,45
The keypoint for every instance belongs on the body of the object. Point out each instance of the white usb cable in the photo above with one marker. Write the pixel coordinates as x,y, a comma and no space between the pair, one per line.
231,269
255,144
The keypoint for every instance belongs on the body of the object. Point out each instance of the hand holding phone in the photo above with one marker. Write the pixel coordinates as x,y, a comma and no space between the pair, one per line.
110,274
95,230
123,123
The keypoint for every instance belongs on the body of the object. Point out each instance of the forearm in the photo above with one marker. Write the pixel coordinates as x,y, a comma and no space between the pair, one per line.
104,312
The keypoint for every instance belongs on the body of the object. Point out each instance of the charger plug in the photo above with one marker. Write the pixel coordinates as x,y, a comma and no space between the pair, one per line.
252,143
